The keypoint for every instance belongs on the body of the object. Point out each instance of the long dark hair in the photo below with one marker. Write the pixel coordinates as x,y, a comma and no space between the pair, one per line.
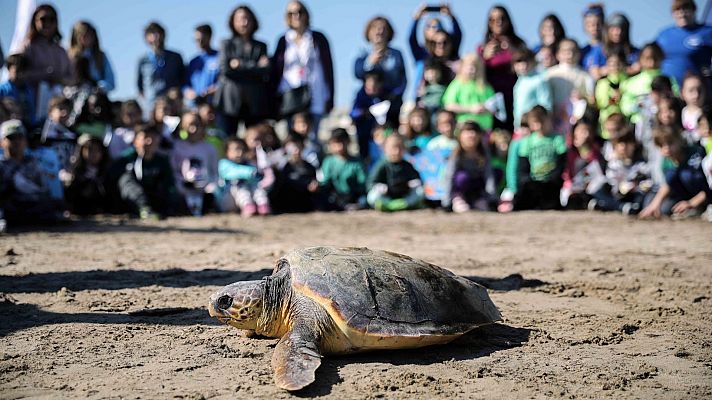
482,153
75,48
250,15
508,32
559,32
625,46
33,33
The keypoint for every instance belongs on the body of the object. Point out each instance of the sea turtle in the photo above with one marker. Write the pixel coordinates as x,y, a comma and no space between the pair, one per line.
326,300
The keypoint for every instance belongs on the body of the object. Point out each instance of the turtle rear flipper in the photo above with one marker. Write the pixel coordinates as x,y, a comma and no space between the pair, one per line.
296,359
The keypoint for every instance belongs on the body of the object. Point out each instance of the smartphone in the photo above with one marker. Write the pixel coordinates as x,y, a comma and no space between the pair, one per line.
433,8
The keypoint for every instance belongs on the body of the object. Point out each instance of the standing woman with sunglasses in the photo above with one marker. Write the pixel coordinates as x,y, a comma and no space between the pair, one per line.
302,62
242,94
436,39
499,45
49,64
85,43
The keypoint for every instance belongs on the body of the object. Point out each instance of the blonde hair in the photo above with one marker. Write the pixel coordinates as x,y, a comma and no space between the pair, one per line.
475,59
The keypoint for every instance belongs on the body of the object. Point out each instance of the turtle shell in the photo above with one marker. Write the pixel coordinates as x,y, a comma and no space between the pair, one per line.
384,294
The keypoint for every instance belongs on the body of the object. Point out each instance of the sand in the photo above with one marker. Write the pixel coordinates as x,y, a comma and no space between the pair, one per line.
594,305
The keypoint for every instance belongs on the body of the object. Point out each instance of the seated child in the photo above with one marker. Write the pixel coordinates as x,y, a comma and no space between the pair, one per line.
213,134
498,148
17,87
56,134
24,192
122,137
394,184
296,187
469,174
144,176
302,126
342,178
86,183
627,177
685,191
511,167
583,172
694,94
541,160
467,93
418,130
195,165
445,127
240,181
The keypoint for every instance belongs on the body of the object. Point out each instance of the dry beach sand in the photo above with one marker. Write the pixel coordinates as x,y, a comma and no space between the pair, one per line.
594,305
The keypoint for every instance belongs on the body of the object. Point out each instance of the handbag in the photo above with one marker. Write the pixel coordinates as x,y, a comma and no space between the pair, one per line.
295,100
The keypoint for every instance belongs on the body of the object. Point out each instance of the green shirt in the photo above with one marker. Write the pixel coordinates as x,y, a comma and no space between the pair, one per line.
469,93
347,176
542,151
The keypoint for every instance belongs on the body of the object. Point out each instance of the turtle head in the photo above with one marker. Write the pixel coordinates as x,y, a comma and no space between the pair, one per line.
238,304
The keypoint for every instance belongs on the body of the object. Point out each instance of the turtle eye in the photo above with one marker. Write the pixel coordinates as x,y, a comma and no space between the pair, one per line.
224,302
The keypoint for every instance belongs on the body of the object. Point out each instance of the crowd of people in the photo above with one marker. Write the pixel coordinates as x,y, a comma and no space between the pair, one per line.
501,127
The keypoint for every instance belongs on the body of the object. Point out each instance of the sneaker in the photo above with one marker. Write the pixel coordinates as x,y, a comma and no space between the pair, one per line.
630,208
3,226
396,205
145,213
592,205
248,210
707,215
505,207
459,205
264,209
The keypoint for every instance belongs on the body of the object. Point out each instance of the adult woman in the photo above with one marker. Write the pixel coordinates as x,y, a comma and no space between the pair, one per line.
242,93
551,31
303,59
497,49
437,40
616,39
385,60
687,45
85,43
49,66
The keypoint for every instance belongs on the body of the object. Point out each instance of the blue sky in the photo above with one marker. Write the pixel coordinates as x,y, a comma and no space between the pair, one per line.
120,25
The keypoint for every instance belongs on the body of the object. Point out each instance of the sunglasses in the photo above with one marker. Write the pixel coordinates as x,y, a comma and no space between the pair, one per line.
47,18
440,43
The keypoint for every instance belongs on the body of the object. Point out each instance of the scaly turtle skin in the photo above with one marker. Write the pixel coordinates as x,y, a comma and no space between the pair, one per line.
325,300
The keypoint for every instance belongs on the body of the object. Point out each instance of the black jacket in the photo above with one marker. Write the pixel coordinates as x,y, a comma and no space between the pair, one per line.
327,64
245,85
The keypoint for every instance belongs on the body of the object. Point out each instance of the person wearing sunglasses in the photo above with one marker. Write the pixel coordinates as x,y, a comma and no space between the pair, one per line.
302,62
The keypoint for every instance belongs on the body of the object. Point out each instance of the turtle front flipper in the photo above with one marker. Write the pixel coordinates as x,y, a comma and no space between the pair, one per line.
296,359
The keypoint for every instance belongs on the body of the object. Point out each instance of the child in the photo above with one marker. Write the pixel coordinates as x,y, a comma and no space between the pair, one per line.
195,165
370,94
608,89
583,172
418,131
86,192
435,77
296,186
704,126
144,177
56,134
302,126
122,137
685,191
394,184
213,134
342,178
240,180
570,85
694,94
469,174
511,167
165,118
669,113
546,58
467,93
542,156
627,177
445,127
532,87
499,147
17,88
635,89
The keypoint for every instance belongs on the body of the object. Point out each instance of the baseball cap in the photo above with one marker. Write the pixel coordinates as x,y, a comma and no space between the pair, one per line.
11,128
